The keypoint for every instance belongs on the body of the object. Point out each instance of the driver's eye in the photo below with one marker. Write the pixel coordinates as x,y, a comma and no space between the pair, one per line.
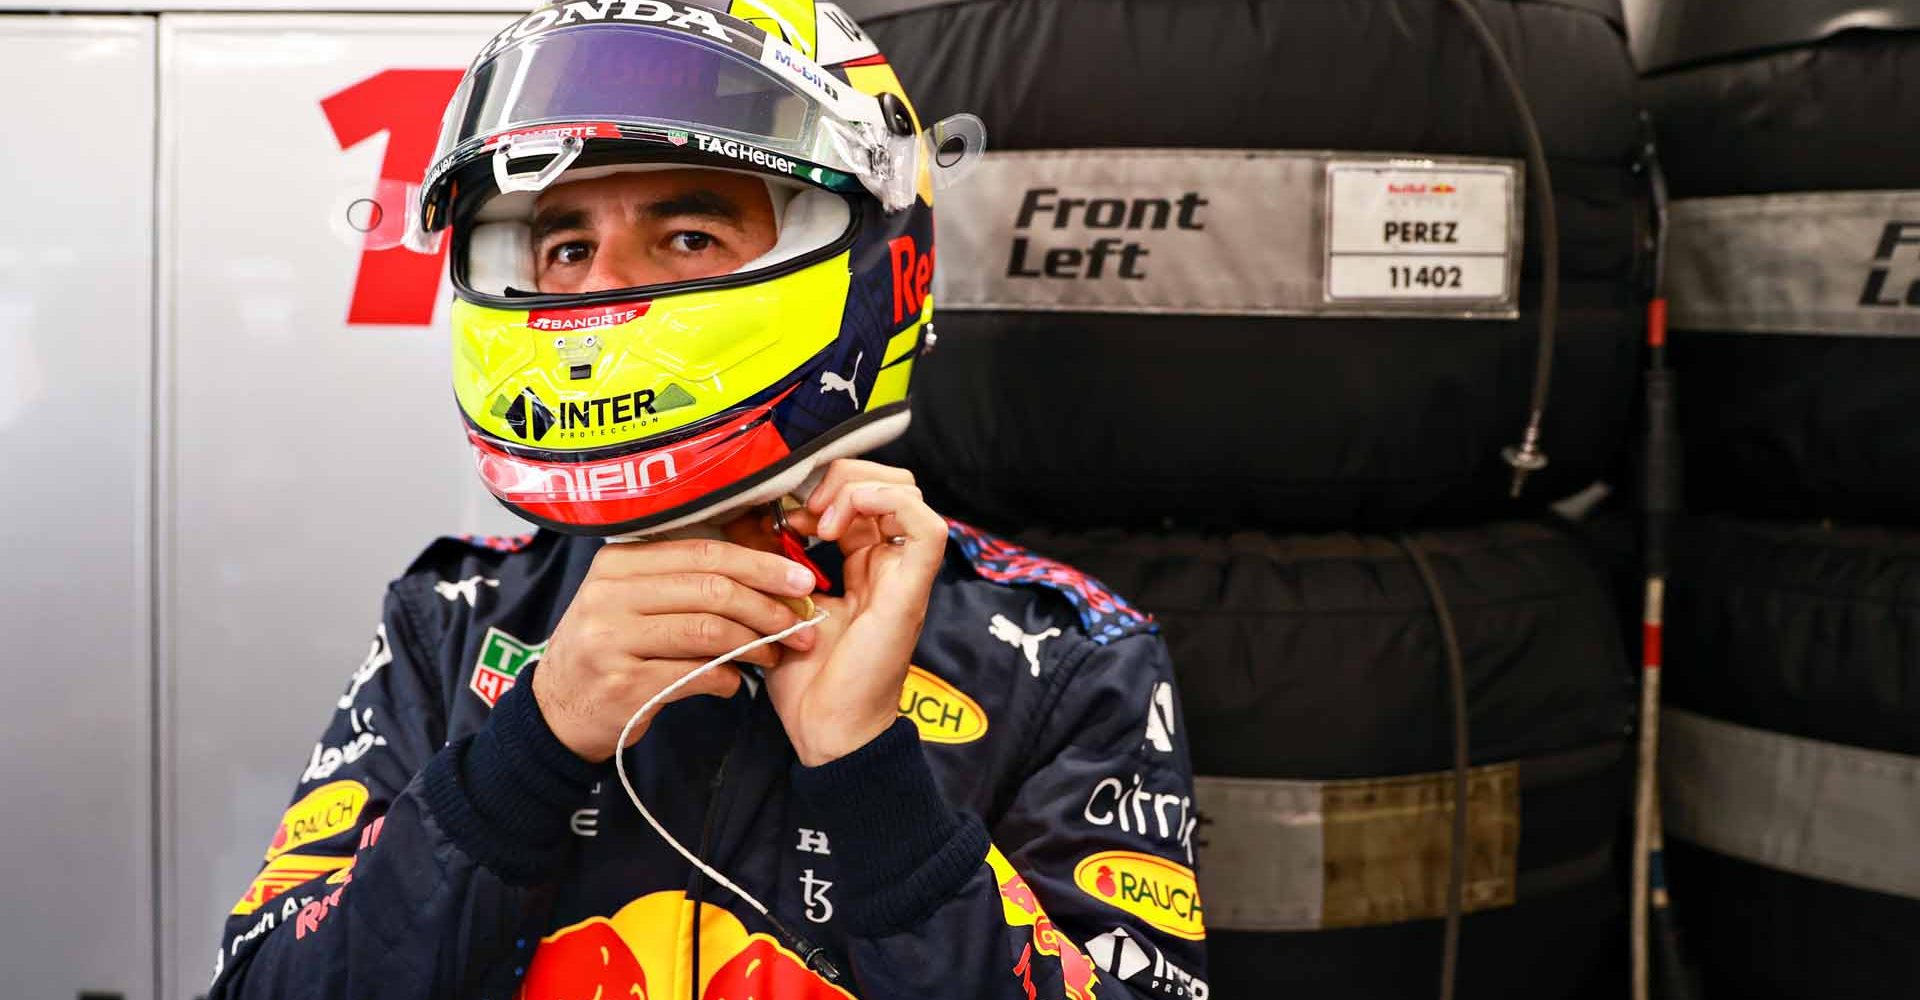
569,253
691,241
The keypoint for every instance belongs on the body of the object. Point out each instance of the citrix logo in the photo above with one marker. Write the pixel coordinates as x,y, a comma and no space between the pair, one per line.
1895,235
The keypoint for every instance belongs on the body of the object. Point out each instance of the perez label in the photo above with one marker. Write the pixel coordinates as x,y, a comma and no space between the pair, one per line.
1410,231
1401,231
1217,232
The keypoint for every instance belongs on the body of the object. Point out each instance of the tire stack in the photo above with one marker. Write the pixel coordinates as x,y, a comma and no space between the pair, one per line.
1254,474
1790,752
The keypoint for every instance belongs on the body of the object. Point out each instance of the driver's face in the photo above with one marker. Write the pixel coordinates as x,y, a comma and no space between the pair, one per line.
648,228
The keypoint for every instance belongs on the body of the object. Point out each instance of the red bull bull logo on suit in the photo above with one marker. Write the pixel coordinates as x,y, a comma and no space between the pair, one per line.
632,956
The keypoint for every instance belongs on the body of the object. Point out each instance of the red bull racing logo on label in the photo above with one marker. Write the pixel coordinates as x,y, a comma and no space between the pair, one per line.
1156,890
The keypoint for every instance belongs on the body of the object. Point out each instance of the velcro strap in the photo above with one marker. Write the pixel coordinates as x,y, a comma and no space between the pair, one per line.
1841,263
1309,855
1822,810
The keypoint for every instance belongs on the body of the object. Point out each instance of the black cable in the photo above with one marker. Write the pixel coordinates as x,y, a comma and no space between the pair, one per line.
1659,960
1457,845
1526,457
697,888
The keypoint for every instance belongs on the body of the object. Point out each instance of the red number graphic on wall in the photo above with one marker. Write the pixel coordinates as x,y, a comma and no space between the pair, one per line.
396,286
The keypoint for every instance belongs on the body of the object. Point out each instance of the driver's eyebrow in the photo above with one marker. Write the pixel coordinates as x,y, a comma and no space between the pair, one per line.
698,202
553,220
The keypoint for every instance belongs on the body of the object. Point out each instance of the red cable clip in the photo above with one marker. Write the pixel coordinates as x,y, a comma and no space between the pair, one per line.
796,550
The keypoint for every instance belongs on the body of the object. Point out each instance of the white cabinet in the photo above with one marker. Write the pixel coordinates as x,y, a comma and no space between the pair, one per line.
225,422
311,445
76,341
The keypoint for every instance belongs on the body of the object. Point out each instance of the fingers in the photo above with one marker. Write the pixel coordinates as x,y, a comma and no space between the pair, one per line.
894,511
694,637
762,571
850,470
711,593
857,535
721,682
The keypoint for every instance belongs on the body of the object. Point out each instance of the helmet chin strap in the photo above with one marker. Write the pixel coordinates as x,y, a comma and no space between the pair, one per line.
708,525
799,481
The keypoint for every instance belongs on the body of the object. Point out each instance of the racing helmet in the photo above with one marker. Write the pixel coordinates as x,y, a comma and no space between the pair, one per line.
634,411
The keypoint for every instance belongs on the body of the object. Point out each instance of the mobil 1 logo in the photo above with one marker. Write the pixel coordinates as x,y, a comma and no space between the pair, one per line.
1421,233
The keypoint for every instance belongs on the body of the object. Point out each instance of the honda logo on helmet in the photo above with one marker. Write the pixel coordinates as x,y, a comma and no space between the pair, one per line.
685,17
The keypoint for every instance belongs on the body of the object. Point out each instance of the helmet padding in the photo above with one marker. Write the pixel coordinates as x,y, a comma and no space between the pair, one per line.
500,251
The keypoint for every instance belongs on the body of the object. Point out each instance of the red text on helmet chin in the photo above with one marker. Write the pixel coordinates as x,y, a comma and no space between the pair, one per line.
625,489
912,277
591,481
591,318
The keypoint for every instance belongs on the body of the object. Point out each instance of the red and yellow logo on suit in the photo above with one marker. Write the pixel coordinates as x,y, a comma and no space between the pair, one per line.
642,953
1022,909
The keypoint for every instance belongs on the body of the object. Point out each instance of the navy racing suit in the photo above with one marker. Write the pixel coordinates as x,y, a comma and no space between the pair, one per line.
1024,830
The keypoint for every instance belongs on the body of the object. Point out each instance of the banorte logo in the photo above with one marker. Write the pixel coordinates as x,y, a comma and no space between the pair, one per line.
1156,890
636,955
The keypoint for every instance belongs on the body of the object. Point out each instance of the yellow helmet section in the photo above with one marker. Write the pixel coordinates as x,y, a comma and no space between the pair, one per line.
891,384
797,22
791,21
585,378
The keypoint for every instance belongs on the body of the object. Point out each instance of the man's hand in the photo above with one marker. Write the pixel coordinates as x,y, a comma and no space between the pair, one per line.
846,691
647,615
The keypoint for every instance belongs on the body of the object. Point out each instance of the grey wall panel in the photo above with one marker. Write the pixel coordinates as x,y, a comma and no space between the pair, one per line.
306,459
75,325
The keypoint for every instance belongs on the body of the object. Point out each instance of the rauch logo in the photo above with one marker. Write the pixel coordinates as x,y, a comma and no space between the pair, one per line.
1156,890
941,712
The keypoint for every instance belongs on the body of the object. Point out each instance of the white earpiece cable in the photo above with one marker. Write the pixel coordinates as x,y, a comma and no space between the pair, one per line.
646,710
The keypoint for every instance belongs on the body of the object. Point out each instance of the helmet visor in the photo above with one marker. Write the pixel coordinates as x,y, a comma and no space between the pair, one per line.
626,74
533,106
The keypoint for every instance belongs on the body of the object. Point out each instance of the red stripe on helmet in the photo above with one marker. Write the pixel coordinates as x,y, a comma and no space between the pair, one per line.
634,486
